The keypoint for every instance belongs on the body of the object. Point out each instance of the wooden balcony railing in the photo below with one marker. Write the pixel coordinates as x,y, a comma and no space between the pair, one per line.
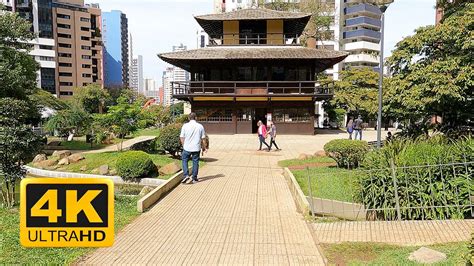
252,88
254,39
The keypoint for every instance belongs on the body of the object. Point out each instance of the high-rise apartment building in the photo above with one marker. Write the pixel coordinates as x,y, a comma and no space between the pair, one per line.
167,86
39,14
78,45
69,43
136,74
116,49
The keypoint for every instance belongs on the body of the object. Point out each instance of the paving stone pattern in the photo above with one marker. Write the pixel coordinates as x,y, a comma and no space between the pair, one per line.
242,212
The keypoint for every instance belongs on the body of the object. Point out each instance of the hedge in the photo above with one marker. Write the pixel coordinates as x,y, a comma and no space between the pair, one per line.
347,153
134,164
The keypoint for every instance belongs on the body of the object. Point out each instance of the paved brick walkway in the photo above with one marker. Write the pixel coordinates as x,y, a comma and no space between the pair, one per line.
405,233
241,213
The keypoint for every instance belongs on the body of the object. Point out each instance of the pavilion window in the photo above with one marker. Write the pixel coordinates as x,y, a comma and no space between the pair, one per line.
244,114
278,73
292,115
213,115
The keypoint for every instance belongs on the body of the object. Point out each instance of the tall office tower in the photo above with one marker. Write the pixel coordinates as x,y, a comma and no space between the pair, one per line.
202,38
222,6
174,74
39,14
180,75
78,45
116,58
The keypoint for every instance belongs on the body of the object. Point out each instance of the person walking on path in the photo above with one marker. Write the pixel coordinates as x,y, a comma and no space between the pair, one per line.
262,135
273,134
192,134
358,127
350,127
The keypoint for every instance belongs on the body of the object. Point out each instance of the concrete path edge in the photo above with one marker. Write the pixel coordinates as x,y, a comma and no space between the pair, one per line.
159,192
300,199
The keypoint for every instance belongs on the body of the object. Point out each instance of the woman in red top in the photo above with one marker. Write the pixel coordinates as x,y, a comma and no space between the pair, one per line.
262,135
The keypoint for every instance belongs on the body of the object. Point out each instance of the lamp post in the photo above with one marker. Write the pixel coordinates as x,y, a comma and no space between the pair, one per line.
383,5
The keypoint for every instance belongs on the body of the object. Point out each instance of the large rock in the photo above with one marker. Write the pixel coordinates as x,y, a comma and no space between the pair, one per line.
103,169
46,163
320,154
83,168
304,156
63,161
170,169
427,256
74,158
39,158
145,190
113,171
61,154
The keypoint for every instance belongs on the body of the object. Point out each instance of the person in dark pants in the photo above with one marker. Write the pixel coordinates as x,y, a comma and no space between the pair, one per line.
358,127
192,134
273,134
262,135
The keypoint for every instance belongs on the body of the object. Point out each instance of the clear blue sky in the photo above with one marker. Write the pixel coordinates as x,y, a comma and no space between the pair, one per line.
157,25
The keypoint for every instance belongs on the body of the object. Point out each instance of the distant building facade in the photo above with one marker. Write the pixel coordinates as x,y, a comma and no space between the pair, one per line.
136,74
116,49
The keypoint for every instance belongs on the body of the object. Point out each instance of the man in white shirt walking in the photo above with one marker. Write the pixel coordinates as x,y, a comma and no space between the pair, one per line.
192,134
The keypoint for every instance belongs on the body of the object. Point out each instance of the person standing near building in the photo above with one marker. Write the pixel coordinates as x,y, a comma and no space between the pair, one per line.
273,134
192,134
350,127
262,135
358,127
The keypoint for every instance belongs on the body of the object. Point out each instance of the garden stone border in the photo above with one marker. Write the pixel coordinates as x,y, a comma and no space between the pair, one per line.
154,182
159,192
327,207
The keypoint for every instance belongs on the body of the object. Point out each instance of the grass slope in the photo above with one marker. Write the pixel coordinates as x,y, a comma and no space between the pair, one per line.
11,252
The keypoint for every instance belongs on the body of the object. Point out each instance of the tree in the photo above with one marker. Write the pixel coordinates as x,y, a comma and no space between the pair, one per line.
356,92
433,72
69,121
18,142
318,27
121,119
17,67
154,116
92,98
47,100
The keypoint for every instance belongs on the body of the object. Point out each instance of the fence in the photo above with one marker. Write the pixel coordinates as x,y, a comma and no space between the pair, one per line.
427,192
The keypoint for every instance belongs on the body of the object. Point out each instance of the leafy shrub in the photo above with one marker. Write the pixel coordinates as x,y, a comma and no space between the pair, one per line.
146,146
169,139
346,153
134,164
436,181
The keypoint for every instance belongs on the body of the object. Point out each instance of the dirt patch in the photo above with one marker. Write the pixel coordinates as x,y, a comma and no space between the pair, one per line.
345,253
310,165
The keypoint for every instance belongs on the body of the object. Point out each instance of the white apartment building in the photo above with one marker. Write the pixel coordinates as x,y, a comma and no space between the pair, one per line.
167,88
173,74
136,74
39,13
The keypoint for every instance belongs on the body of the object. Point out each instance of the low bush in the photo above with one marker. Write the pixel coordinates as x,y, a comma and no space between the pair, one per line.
429,172
347,153
131,165
169,139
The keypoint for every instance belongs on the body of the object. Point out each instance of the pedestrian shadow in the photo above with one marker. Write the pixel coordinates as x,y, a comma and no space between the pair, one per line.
210,177
209,160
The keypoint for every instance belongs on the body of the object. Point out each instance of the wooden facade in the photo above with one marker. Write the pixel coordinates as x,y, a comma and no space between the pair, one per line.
254,70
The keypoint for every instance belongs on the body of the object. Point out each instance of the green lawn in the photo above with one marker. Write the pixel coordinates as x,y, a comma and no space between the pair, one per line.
147,132
95,160
327,182
381,254
11,252
310,161
79,143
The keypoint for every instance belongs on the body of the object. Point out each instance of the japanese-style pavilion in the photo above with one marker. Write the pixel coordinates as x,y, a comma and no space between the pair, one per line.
254,68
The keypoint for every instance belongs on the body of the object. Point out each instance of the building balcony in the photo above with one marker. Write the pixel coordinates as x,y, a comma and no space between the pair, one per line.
362,9
363,21
362,58
362,33
264,90
254,39
362,45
